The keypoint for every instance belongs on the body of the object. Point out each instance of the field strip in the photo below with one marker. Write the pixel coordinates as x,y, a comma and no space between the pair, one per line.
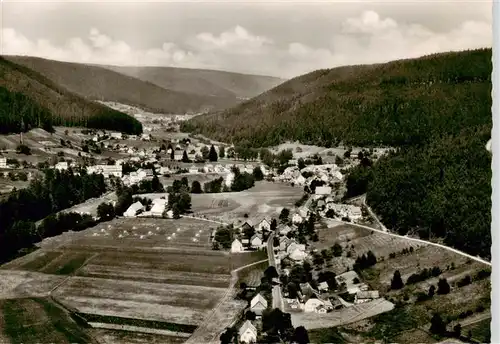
386,232
139,329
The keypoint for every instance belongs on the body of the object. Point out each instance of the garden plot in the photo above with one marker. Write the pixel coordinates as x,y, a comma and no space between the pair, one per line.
344,316
151,301
14,284
330,232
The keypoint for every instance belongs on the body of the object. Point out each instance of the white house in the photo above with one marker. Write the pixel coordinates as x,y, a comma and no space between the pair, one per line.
133,209
365,296
60,166
236,246
263,225
3,162
312,304
258,304
208,168
117,136
296,218
247,333
255,241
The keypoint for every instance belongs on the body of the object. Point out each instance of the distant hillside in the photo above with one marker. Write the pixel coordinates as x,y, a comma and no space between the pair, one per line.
98,83
435,109
396,103
26,96
202,81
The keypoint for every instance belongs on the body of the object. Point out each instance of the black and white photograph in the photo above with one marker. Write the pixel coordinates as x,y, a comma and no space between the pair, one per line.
236,172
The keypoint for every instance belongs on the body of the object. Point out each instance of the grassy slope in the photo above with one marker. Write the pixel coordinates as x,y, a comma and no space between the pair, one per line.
95,82
62,104
202,81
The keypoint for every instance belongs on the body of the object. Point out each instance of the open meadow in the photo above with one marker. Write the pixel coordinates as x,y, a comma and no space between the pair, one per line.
156,277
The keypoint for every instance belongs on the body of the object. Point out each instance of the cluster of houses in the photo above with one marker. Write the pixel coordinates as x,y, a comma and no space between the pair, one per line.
248,332
328,173
340,211
321,301
262,229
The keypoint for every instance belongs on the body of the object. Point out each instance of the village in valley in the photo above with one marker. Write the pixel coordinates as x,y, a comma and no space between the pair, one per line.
305,247
245,173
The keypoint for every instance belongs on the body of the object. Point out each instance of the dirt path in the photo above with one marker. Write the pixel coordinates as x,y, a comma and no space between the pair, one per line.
220,317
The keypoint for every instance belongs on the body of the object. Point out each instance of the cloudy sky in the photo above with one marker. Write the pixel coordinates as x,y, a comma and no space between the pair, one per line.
279,38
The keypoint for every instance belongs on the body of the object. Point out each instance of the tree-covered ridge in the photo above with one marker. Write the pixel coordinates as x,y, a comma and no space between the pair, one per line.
442,189
397,103
27,95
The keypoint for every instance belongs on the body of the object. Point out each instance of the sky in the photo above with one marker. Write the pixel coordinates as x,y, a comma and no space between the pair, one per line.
278,38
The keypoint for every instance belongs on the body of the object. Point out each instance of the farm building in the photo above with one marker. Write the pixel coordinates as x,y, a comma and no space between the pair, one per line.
258,304
158,207
106,170
117,136
247,333
3,162
134,209
365,296
193,169
178,156
323,190
311,304
236,246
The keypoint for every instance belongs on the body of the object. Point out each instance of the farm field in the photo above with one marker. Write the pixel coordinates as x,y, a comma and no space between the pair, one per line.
133,275
38,320
109,336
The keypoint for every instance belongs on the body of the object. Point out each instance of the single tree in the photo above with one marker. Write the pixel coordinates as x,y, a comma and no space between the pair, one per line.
432,290
443,287
337,250
212,154
285,213
274,225
437,325
257,173
397,282
196,187
222,152
300,335
185,157
205,151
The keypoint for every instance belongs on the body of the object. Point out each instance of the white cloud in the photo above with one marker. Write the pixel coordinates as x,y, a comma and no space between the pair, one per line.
366,38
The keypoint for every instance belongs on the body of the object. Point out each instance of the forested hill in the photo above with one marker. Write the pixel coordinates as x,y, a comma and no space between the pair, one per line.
396,103
435,109
202,81
155,89
28,98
